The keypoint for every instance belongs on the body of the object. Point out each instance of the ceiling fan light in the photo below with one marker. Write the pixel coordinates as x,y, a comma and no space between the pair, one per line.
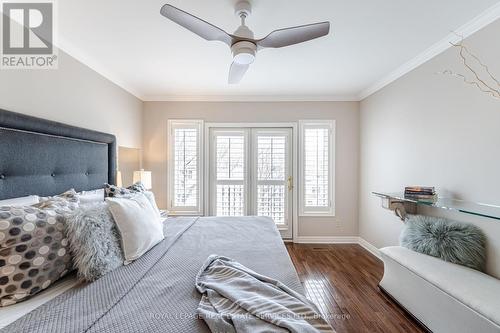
244,58
244,52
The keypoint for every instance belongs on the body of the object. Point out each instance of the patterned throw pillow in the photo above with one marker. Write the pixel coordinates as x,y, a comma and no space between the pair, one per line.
113,191
137,187
34,251
68,201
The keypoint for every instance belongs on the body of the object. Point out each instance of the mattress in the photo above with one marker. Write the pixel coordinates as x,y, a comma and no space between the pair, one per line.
156,293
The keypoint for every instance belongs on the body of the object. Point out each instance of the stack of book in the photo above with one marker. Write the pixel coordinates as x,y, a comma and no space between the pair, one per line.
420,193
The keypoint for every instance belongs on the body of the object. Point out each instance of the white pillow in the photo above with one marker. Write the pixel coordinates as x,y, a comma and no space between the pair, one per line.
139,225
22,201
91,196
151,197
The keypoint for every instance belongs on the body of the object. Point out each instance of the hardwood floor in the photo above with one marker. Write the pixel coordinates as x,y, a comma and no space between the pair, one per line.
342,280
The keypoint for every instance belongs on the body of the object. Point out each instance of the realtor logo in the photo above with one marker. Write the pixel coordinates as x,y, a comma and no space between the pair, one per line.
28,35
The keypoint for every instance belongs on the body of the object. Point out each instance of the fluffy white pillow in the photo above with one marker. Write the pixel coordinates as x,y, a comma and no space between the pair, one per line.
22,201
87,197
139,224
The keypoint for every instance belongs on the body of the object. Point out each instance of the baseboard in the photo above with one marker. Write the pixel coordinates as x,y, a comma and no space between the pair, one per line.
326,240
369,247
338,240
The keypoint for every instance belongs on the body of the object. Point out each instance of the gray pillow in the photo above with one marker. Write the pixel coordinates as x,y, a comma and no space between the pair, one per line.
456,242
94,241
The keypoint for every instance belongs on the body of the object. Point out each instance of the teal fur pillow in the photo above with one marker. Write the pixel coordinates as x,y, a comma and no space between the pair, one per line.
455,242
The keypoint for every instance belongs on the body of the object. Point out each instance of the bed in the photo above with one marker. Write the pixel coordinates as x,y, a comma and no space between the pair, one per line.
156,292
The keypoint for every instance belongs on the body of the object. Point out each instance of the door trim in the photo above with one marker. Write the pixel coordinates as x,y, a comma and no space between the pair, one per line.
295,136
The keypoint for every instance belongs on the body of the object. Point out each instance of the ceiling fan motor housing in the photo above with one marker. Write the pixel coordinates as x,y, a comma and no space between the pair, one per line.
244,52
243,8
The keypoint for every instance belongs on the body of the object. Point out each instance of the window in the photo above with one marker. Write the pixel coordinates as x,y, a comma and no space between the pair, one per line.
185,141
230,174
317,164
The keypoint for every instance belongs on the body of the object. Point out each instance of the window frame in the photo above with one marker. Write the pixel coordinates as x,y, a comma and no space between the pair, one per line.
213,162
308,210
188,124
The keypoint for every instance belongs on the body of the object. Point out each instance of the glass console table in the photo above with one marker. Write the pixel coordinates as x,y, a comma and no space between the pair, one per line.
395,201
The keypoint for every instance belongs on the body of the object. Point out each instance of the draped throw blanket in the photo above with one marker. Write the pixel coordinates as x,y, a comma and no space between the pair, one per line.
237,299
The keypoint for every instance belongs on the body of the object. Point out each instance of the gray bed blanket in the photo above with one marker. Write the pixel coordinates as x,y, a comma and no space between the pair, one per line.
157,293
237,299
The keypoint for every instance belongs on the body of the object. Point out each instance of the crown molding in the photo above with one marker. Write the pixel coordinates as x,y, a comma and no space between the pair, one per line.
250,98
76,53
479,22
485,18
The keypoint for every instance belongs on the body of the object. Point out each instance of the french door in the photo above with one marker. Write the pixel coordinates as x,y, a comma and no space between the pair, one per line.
250,173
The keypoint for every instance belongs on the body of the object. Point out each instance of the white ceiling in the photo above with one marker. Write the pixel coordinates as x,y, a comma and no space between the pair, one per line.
133,45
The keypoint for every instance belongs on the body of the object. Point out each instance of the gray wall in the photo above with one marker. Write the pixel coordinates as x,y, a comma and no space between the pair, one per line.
129,160
430,129
422,129
346,114
74,94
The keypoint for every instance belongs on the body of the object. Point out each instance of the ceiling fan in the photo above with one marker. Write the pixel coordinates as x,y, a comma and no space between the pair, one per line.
242,43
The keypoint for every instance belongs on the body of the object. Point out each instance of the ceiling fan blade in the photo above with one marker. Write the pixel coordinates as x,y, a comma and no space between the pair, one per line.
236,72
200,27
294,35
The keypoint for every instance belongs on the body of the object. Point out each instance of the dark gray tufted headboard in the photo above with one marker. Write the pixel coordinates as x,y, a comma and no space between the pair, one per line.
43,157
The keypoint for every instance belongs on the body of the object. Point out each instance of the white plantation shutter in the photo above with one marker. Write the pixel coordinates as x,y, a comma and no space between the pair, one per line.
230,173
271,202
185,167
230,200
271,176
230,157
316,161
317,168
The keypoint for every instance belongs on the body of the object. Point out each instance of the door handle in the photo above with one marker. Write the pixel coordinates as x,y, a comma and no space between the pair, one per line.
290,183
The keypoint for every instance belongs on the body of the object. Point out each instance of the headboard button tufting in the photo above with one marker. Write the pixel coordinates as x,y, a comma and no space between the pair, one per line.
56,167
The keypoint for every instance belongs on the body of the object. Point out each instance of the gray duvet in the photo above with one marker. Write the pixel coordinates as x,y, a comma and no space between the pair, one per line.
157,293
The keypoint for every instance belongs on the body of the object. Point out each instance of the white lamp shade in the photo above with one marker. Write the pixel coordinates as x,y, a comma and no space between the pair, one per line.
119,181
144,177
